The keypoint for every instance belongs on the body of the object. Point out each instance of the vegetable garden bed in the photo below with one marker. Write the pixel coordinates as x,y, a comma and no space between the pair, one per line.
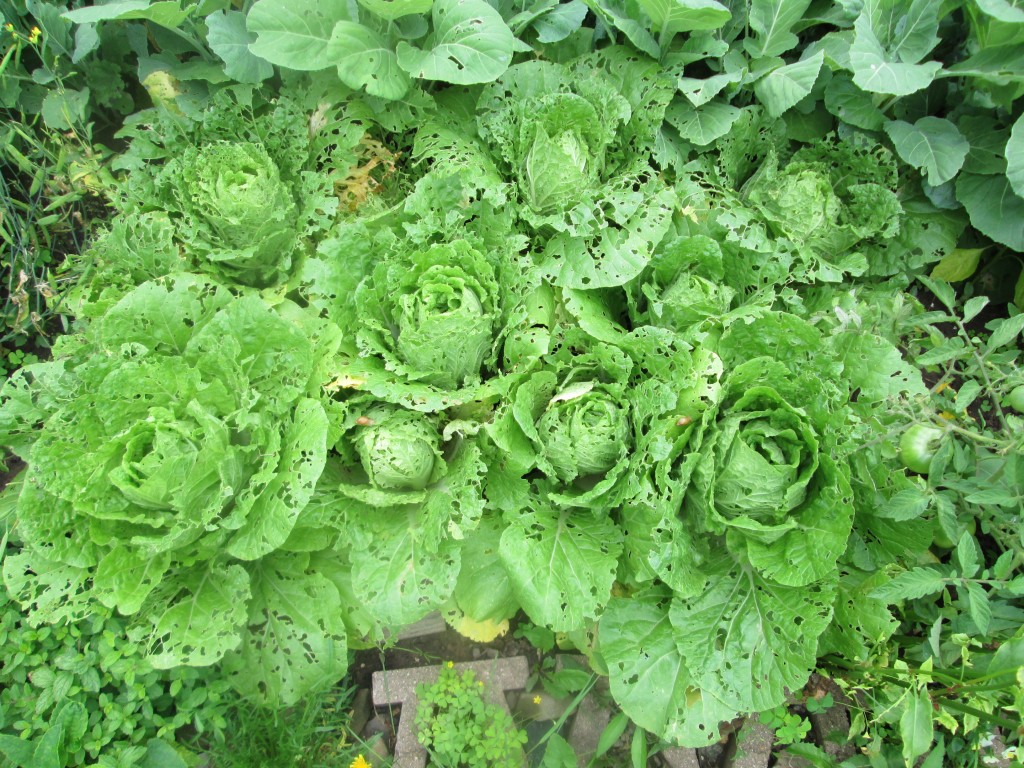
684,336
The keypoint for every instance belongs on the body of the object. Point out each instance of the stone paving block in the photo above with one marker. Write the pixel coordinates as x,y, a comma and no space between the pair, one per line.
398,687
754,743
831,726
680,757
587,726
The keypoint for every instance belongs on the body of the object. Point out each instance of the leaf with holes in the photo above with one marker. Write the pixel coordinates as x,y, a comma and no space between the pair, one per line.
470,44
365,61
747,640
296,637
561,564
649,677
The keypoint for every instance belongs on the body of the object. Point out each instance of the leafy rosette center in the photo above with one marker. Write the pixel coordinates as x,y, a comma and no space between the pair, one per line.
442,326
161,455
241,214
769,454
399,449
583,431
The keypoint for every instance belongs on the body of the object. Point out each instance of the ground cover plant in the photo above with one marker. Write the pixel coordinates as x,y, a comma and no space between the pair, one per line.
636,319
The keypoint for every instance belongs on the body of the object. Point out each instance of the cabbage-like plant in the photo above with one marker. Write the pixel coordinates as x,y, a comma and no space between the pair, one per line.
240,216
683,288
168,471
406,492
833,199
432,315
576,141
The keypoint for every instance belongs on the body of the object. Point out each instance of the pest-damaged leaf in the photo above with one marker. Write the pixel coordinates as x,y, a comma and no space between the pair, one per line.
470,43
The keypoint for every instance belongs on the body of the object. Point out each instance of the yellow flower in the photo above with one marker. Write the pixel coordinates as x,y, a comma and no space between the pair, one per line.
9,27
33,36
536,699
360,762
450,665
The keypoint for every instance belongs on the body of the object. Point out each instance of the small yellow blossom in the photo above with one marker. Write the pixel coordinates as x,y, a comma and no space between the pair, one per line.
479,683
536,699
9,27
33,36
450,665
360,762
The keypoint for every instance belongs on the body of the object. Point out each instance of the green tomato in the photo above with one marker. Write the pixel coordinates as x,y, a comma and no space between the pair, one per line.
1016,399
918,445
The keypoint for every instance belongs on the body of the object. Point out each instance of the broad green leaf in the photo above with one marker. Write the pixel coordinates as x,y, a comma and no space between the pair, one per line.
910,585
994,208
396,576
649,679
998,64
916,729
932,144
229,39
470,44
914,33
396,9
747,640
616,14
365,61
852,105
958,265
782,88
704,125
19,751
296,640
699,91
672,16
167,13
560,22
295,33
115,10
160,754
1015,157
877,71
561,564
1010,11
197,616
63,110
484,590
125,577
773,21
